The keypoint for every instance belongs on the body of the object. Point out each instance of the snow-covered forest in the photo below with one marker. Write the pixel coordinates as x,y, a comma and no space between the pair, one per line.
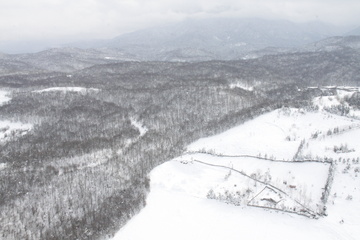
86,142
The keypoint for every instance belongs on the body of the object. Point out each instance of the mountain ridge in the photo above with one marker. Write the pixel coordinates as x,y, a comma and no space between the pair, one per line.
224,38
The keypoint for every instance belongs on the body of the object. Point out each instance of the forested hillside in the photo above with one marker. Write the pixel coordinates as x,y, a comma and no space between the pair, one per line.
80,170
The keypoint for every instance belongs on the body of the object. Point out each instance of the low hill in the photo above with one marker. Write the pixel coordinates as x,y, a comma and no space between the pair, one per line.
334,44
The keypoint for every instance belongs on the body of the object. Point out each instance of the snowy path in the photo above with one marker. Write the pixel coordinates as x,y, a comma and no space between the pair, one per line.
142,129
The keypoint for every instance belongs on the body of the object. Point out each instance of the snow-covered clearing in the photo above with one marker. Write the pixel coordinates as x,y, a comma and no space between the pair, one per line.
89,160
2,166
336,96
12,129
277,134
177,208
140,126
142,131
68,89
242,86
302,181
335,146
4,97
189,194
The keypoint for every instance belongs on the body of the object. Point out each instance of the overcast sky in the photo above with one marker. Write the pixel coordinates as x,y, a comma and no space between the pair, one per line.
76,19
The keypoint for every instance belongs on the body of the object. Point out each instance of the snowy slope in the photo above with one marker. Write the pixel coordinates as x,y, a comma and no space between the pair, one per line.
301,181
10,129
3,97
177,209
140,126
207,193
284,130
68,89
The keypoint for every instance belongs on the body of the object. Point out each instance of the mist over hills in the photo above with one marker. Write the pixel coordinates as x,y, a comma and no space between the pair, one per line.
224,39
353,32
334,51
188,41
199,39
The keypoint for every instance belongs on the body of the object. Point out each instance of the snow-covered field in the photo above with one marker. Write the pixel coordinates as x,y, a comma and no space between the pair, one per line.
207,193
68,89
10,129
277,134
234,167
178,209
4,97
242,86
292,185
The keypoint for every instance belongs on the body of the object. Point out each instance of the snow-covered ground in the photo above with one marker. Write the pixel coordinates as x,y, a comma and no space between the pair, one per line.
12,129
67,89
195,196
242,86
177,209
4,97
8,129
140,126
277,134
142,131
2,166
336,145
302,182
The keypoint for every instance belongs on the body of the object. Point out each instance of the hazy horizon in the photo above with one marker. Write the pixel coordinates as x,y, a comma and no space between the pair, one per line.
39,24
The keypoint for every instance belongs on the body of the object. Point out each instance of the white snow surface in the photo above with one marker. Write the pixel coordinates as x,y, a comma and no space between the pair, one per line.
325,146
339,96
327,101
308,178
275,134
10,129
178,207
139,125
68,89
242,86
2,166
4,97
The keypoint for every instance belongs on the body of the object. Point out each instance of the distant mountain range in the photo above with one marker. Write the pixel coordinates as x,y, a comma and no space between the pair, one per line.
224,39
189,41
201,39
355,32
333,44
